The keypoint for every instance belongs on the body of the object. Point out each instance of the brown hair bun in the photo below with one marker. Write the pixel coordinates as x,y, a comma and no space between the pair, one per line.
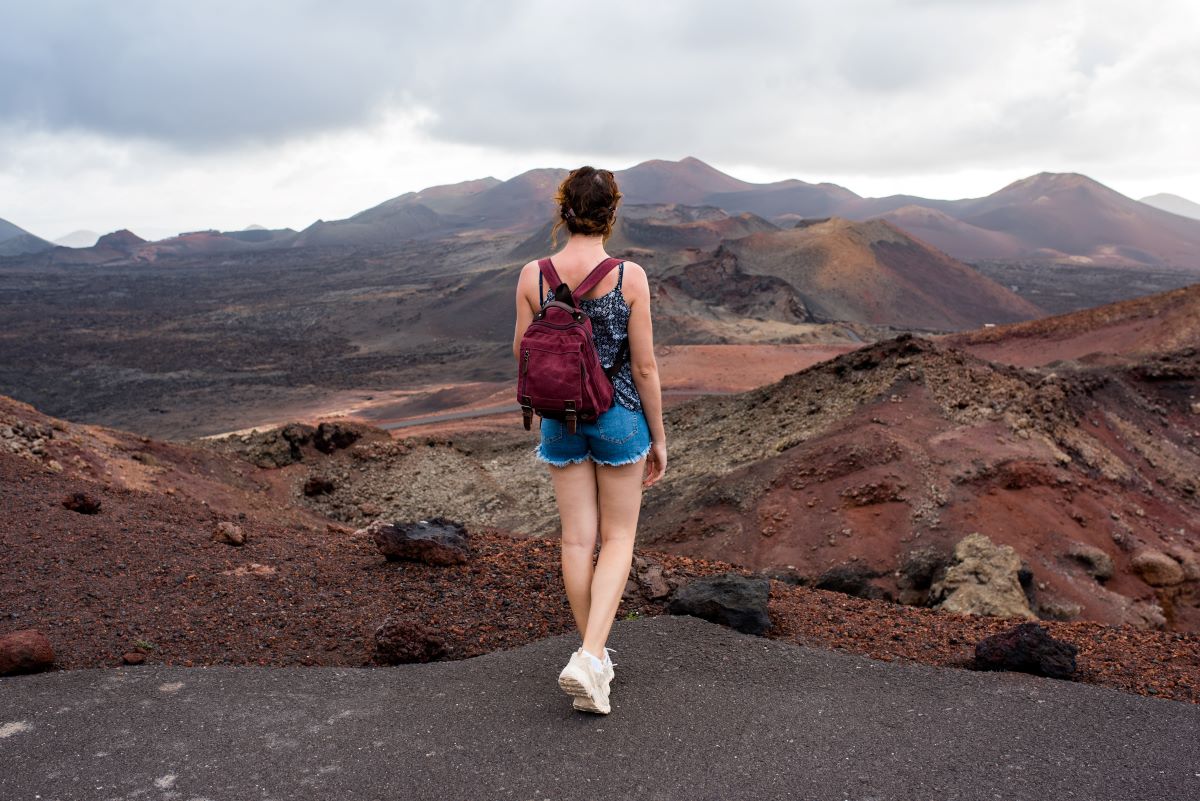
587,203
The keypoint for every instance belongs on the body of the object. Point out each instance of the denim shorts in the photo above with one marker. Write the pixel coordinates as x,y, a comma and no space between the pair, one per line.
617,436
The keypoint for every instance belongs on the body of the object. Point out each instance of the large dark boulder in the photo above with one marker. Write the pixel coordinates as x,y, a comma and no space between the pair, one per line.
278,447
1027,648
400,640
437,541
25,651
730,599
330,437
851,580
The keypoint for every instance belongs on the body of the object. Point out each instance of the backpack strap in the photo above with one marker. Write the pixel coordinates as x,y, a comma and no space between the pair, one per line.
546,268
596,275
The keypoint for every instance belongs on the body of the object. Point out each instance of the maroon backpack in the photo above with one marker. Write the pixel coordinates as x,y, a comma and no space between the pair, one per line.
560,375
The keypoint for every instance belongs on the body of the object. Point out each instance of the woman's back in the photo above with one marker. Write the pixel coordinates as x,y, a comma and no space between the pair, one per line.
609,313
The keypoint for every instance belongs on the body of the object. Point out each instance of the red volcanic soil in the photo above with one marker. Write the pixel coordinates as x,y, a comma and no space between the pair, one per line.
144,576
1108,334
906,444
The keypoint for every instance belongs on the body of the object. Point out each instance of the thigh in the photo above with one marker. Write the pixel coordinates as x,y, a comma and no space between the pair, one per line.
620,498
578,508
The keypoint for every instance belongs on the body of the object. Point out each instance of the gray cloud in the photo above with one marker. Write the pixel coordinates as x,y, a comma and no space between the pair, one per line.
862,87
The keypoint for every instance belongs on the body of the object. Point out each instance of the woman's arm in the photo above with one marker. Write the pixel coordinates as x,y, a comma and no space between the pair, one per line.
525,308
636,289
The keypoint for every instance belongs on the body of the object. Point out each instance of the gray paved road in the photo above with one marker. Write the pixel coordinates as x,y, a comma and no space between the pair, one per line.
698,712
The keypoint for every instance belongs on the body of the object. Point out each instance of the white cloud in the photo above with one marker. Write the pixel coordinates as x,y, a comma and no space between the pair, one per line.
168,115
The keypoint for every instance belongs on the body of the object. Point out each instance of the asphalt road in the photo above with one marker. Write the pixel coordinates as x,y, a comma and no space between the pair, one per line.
698,712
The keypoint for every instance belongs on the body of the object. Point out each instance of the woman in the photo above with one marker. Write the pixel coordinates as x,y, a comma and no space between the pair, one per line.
598,470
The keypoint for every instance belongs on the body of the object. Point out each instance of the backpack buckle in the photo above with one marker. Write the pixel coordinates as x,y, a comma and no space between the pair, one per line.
527,412
570,416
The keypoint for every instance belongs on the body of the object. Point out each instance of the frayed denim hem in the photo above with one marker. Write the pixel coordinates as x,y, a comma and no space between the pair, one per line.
630,460
537,453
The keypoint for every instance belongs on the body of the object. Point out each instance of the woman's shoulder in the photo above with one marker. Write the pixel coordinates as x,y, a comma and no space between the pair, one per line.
635,276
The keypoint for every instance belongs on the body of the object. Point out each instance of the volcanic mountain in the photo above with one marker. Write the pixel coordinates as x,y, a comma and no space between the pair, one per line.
16,241
659,229
1174,204
1072,216
874,273
1046,217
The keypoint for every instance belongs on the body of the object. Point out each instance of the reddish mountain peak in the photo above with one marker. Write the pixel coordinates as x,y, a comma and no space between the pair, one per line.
688,180
1045,183
120,240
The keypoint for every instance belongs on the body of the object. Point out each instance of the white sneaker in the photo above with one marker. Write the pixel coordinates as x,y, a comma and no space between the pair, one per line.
586,678
609,675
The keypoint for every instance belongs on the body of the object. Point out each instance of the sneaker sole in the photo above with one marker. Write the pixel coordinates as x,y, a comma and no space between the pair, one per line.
583,700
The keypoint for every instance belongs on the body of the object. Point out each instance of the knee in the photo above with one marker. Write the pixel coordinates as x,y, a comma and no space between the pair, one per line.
579,540
617,536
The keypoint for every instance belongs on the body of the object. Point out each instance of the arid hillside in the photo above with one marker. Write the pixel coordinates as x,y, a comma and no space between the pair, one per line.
1114,333
122,550
874,273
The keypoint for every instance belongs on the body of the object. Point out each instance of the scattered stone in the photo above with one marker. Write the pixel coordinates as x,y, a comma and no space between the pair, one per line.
729,599
851,580
1156,568
653,585
434,542
402,640
318,485
1027,648
1058,609
229,533
919,569
1097,563
984,580
787,574
1187,560
25,651
82,502
330,437
278,447
369,509
133,658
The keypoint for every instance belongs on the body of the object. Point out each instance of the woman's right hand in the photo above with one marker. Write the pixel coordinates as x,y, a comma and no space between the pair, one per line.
656,463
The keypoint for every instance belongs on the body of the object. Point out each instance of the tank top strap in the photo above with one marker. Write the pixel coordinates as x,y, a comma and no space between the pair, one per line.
620,274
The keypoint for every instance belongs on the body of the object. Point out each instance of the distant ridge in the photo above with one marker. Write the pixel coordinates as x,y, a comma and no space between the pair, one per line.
16,241
1065,218
1053,217
78,239
1174,204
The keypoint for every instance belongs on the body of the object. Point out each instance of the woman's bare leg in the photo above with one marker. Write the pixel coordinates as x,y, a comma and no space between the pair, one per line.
620,501
575,493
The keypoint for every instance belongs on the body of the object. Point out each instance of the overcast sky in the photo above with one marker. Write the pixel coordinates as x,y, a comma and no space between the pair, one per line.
162,116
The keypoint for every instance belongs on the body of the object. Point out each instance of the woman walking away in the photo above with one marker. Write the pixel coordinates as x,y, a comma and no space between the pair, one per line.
600,469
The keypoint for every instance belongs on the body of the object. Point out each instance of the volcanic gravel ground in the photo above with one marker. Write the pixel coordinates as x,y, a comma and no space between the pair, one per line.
143,575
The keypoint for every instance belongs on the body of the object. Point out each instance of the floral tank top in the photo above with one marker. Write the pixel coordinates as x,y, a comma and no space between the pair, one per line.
610,322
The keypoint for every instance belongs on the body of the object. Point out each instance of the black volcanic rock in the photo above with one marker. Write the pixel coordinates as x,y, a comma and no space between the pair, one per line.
437,541
729,599
1027,648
